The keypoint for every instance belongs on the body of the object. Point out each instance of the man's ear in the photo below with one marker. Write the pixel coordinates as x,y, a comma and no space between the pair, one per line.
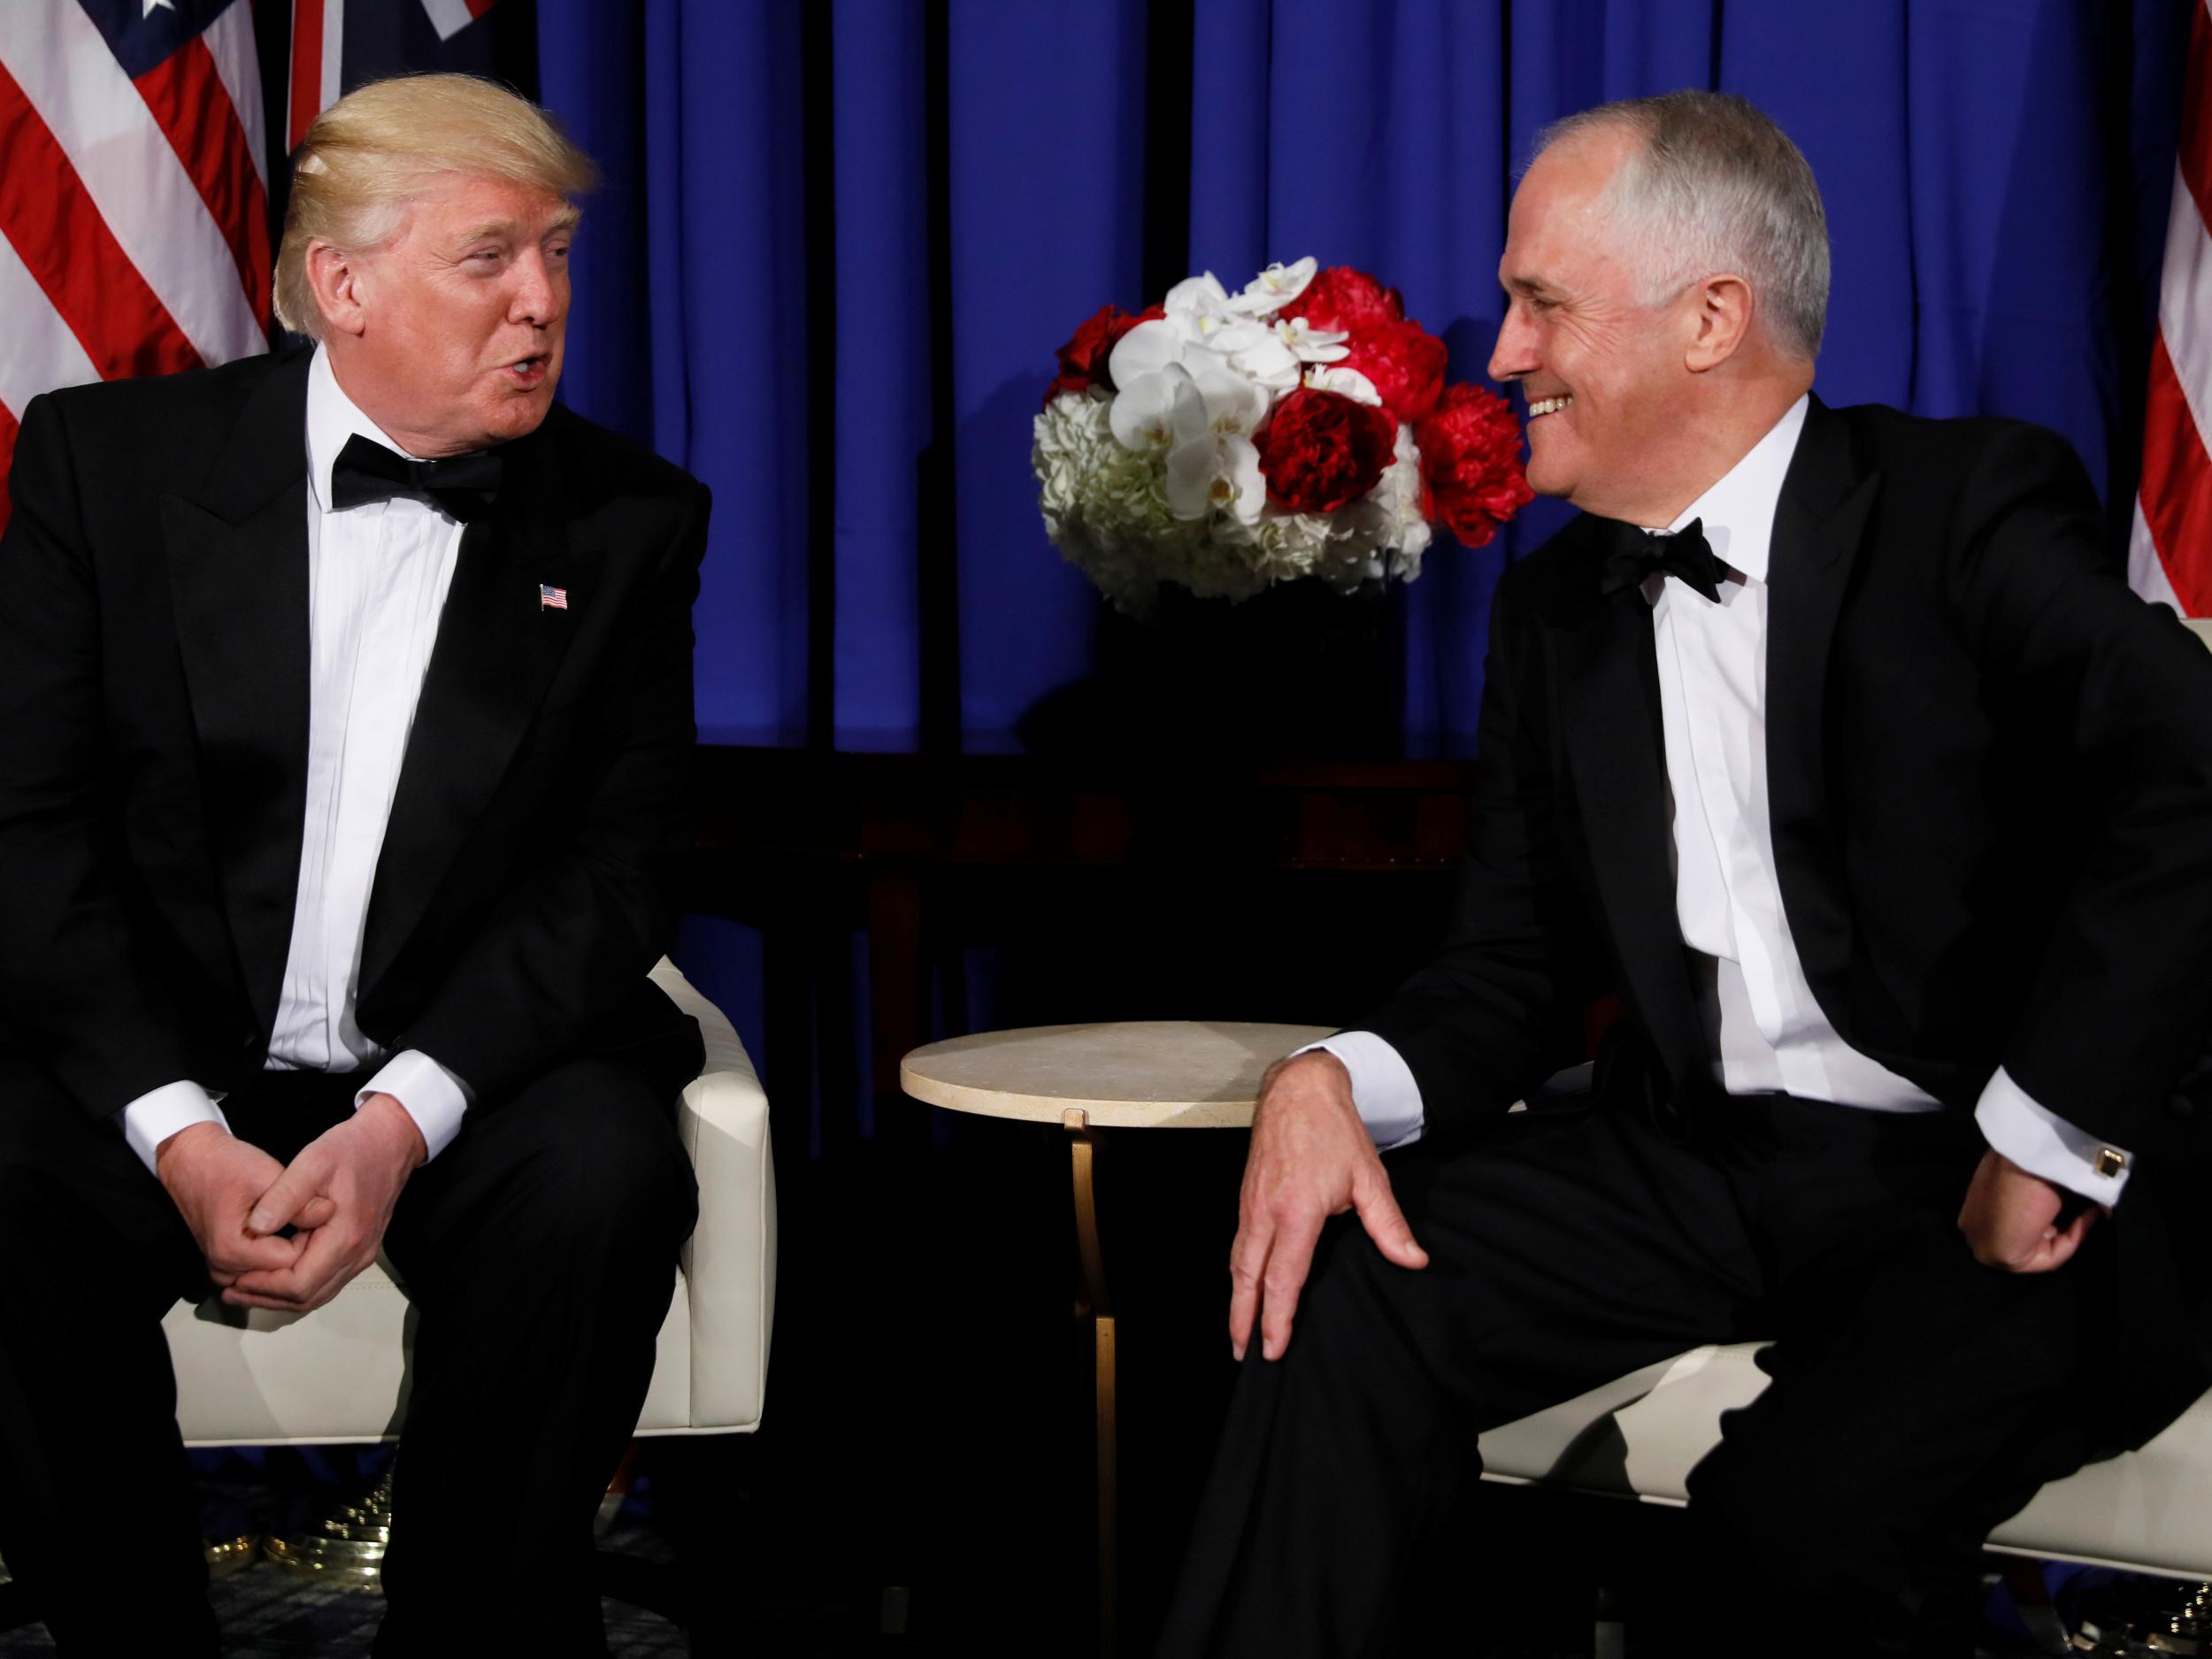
335,276
1723,321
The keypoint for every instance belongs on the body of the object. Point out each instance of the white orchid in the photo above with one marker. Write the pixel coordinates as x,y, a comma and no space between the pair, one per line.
1346,383
1200,306
1221,467
1180,337
1254,352
1146,350
1309,344
1200,295
1235,405
1157,412
1221,471
1275,288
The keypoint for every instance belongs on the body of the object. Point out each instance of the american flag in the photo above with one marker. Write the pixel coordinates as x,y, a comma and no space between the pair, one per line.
133,203
134,234
552,598
2169,557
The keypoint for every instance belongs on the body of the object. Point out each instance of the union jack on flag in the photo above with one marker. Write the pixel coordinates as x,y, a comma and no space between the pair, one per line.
133,203
334,51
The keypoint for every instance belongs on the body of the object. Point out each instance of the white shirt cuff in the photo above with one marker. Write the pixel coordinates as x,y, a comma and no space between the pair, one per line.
2043,1143
1383,1089
429,1093
159,1113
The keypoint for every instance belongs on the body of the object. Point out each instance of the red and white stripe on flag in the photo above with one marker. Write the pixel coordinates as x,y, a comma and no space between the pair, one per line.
318,38
2169,555
318,30
133,212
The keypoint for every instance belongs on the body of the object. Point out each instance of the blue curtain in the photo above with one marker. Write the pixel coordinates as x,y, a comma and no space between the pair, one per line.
839,243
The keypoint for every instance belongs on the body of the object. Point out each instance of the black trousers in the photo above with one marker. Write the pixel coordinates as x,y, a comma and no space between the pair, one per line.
1918,1398
539,1254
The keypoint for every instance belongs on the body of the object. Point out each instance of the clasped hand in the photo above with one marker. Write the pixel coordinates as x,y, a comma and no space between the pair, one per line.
1311,1158
336,1196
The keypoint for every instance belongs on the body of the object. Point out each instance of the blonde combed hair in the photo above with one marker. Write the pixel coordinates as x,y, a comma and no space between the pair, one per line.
370,152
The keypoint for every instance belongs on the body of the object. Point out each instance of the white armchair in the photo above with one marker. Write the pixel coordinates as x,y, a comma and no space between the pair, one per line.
340,1373
1637,1437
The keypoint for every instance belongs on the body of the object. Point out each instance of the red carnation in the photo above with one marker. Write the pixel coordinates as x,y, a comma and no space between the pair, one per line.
1083,359
1470,463
1405,362
1320,450
1343,299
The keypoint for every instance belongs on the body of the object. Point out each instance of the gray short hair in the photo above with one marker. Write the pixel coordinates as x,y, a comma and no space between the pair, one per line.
1717,186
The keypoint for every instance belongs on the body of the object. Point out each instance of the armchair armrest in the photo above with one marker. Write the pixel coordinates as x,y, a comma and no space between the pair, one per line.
730,1261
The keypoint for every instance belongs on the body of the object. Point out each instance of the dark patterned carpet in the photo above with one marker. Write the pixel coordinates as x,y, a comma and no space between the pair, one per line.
806,1607
269,1614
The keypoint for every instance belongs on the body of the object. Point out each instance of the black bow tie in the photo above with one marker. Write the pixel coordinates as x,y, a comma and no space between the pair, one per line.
1633,555
365,471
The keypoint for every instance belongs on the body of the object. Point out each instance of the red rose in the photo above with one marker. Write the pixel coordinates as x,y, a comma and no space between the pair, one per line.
1470,463
1320,450
1406,363
1343,299
1083,359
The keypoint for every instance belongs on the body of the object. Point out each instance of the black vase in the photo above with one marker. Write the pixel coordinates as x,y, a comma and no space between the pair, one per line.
1297,669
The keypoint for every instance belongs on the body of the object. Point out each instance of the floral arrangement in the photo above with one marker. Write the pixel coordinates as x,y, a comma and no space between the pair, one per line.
1302,427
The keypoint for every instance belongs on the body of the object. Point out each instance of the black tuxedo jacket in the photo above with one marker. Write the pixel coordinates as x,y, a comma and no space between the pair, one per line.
1990,777
153,747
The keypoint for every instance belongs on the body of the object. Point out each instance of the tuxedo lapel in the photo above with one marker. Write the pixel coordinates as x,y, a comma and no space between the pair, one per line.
237,563
1817,527
1610,713
498,646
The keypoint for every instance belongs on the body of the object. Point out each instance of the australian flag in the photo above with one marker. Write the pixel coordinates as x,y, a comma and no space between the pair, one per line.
338,45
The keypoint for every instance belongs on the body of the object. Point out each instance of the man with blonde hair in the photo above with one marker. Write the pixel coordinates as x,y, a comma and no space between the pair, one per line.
345,716
1830,743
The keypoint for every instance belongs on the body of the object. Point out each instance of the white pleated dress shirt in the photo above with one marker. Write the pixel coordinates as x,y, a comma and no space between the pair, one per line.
1728,896
377,576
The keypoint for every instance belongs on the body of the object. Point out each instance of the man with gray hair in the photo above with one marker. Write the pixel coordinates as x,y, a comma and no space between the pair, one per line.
345,725
1830,743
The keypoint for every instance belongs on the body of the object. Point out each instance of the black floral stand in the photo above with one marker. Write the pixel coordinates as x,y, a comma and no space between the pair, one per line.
1299,670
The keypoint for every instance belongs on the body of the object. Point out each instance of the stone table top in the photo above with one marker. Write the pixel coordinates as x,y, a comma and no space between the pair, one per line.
1129,1075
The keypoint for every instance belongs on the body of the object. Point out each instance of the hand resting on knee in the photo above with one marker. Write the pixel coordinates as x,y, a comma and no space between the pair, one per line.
1311,1158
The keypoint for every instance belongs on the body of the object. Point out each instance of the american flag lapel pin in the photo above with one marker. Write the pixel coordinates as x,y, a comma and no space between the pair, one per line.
550,598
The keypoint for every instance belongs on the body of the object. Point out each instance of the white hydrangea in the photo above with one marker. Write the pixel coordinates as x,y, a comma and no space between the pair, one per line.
1105,507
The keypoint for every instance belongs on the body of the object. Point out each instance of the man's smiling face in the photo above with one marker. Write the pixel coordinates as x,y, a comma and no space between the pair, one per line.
1602,371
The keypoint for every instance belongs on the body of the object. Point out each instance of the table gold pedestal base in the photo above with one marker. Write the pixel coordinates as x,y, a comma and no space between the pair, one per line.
1154,1074
1096,1305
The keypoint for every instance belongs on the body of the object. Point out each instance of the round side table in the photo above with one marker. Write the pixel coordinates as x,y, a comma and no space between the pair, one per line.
1140,1074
